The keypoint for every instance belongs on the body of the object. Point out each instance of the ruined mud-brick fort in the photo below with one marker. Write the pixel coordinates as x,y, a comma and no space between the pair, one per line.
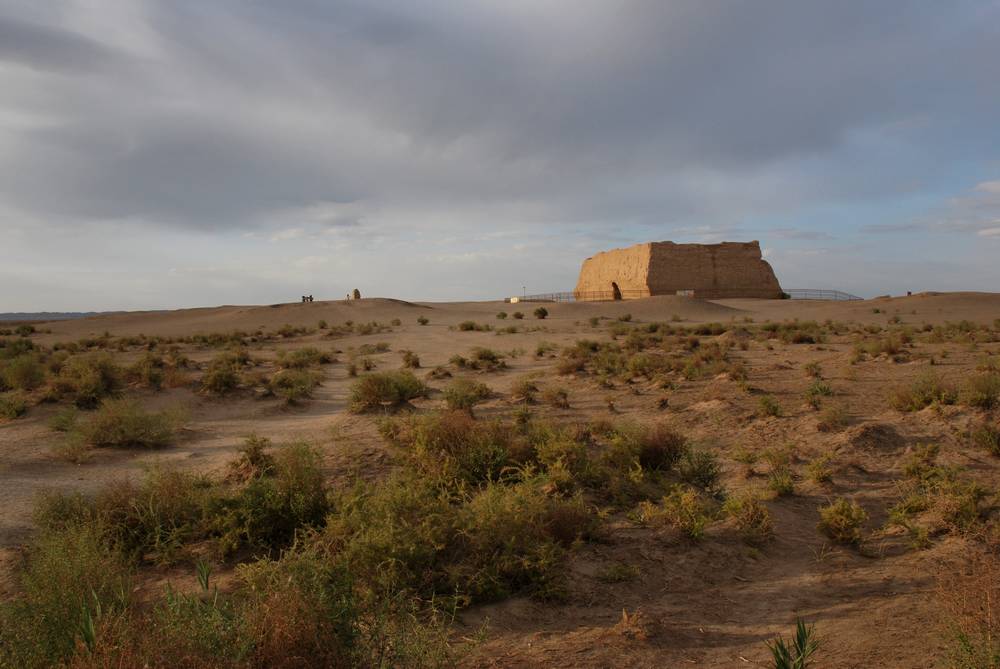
712,271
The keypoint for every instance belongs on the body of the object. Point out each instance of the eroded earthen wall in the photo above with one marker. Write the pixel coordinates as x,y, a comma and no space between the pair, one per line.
628,268
729,269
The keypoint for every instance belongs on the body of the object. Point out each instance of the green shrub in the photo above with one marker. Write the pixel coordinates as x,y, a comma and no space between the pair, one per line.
541,313
25,372
927,389
768,406
12,348
13,405
294,385
147,371
701,469
781,480
513,539
987,437
797,654
841,520
517,315
385,389
223,374
254,461
124,424
751,516
483,359
70,579
303,358
557,397
267,513
501,315
683,509
819,469
464,394
65,419
819,389
982,391
496,541
832,419
373,349
659,447
524,390
88,379
410,360
423,320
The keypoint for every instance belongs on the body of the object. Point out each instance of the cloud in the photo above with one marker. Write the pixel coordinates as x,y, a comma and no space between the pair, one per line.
49,48
891,228
428,128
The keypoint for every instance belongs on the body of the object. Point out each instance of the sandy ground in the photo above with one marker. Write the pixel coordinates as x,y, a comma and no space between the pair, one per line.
709,604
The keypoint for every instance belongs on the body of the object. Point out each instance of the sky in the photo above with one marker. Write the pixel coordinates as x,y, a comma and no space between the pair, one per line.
174,153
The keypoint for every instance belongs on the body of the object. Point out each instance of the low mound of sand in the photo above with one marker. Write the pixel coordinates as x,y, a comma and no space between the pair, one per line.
874,437
658,308
917,309
248,318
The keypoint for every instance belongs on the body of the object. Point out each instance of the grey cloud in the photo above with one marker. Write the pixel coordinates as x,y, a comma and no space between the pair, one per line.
891,228
580,124
564,105
48,48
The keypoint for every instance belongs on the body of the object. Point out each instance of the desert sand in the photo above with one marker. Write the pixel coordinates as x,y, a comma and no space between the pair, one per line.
713,602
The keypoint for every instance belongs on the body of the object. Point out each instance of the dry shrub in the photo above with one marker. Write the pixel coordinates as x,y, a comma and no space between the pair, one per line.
768,406
660,447
832,419
124,424
464,394
147,371
524,390
13,405
982,391
841,520
925,390
223,374
968,601
303,358
88,379
301,610
410,360
385,390
24,372
556,397
986,436
68,575
254,461
439,372
294,385
683,509
752,518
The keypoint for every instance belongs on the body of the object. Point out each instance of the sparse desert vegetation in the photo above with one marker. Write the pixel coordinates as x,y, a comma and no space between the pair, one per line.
275,490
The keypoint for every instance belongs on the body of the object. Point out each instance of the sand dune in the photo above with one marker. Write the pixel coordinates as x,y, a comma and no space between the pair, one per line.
934,308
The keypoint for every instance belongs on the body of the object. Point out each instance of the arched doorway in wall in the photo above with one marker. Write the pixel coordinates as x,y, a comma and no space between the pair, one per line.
616,292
